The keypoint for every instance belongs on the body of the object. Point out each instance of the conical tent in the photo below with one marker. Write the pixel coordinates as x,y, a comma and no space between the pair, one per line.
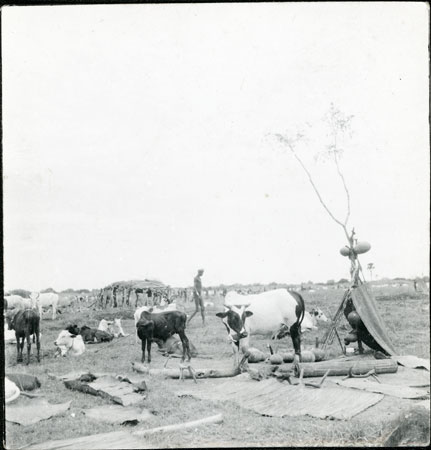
365,306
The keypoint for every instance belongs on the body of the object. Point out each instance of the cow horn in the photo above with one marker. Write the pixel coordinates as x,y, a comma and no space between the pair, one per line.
228,306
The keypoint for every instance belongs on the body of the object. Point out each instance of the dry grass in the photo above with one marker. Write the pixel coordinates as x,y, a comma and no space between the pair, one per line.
407,319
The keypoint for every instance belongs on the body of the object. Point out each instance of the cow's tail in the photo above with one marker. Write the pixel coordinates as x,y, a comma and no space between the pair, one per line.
300,313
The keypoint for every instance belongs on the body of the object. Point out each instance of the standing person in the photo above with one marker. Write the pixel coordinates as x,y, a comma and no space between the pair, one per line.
197,296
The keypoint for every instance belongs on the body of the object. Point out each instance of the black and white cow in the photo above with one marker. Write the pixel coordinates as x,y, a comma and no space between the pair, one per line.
278,312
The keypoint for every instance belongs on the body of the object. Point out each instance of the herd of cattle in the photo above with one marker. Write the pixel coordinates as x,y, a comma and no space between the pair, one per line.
276,313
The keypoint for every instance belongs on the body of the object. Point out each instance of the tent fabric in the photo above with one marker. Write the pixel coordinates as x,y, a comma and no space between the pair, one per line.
366,307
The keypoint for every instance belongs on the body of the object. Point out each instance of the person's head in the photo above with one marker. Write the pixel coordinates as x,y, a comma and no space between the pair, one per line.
200,271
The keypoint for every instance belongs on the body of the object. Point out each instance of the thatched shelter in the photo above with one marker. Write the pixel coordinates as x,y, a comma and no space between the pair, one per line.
133,293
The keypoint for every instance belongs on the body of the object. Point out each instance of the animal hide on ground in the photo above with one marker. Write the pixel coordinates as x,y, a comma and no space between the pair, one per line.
120,391
28,411
24,381
273,398
116,414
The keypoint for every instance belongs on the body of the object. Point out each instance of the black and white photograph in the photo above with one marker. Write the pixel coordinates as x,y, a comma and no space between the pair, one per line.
216,225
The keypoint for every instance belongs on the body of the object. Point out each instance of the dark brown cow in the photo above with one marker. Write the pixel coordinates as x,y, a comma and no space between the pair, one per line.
161,326
25,322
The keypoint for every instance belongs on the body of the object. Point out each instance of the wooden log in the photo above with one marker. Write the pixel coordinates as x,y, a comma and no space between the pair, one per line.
175,373
218,418
359,367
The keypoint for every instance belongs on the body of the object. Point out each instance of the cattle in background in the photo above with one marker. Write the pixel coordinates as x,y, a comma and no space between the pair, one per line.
45,300
17,302
25,322
311,319
160,326
277,312
68,342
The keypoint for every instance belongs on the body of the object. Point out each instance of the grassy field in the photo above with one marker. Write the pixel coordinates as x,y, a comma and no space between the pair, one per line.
406,315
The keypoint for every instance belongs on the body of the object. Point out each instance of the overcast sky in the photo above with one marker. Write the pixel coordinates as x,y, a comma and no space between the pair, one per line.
137,141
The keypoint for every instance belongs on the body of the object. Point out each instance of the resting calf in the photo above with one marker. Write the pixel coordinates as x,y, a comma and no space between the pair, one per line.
112,327
25,323
90,335
311,319
68,342
161,326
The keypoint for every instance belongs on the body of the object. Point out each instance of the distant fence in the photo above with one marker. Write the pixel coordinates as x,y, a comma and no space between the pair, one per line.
124,297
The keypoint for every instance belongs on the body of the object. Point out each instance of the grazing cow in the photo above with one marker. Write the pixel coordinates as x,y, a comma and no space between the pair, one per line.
311,318
25,322
45,300
275,312
112,327
68,342
16,302
359,332
160,326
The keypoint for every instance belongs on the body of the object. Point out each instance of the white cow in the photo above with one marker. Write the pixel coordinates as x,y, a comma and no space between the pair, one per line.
69,343
9,335
311,318
17,302
275,312
45,300
113,327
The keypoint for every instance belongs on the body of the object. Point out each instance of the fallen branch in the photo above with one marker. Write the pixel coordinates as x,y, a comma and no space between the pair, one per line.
371,373
218,418
310,383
